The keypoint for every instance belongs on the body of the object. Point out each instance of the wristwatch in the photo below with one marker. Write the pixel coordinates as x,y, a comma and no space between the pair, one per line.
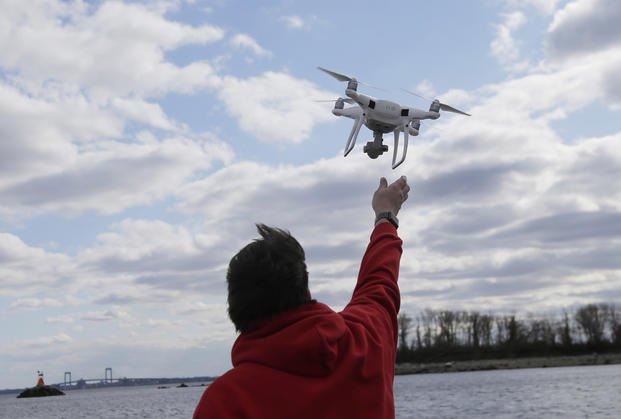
389,216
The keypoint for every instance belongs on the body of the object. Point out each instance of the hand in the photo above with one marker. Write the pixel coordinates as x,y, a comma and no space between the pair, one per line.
390,198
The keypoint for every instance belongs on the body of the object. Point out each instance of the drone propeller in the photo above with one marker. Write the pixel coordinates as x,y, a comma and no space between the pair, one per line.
338,76
447,108
416,94
443,106
343,77
346,100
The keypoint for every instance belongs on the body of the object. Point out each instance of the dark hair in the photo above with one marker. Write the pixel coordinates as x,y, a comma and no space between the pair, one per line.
266,277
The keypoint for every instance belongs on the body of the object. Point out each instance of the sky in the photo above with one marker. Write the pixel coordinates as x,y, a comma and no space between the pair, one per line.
141,141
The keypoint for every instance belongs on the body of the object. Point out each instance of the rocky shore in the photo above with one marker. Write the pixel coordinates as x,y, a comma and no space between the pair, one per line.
40,391
497,364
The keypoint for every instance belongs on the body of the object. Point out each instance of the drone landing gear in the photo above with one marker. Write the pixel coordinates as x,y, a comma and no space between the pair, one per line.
375,148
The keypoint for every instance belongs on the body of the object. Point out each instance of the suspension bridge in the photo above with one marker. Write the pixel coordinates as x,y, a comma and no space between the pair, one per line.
68,383
107,380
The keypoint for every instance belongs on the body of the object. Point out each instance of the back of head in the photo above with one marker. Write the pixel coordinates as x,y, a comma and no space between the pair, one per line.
266,277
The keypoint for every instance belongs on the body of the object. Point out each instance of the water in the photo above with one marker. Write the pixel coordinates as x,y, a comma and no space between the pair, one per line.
574,392
570,392
114,402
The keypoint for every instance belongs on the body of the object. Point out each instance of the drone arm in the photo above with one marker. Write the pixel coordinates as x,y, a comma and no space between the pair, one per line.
361,99
419,114
353,135
396,163
353,112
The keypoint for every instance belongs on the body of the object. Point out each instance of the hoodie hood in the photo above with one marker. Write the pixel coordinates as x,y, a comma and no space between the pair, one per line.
304,341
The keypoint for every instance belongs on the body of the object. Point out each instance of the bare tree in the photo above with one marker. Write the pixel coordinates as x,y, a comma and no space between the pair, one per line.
592,322
541,331
419,343
427,319
485,329
501,330
565,331
535,331
614,320
447,321
440,332
510,329
474,318
405,323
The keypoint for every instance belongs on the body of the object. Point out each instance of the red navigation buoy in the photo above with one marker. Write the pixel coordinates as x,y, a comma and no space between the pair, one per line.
40,380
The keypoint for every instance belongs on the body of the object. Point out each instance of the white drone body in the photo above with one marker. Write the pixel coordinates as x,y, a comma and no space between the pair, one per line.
381,117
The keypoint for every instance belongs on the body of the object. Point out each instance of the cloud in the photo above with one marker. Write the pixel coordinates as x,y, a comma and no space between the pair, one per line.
129,294
84,131
495,228
504,213
558,230
104,315
247,42
244,193
508,170
542,96
612,88
38,135
140,239
25,270
147,113
45,341
584,27
34,303
504,46
63,319
202,309
589,176
54,130
112,176
527,223
111,49
500,211
426,88
155,264
586,31
294,22
144,262
456,218
275,107
77,111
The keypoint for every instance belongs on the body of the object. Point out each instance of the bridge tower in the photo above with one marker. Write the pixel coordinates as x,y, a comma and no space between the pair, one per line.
67,382
108,377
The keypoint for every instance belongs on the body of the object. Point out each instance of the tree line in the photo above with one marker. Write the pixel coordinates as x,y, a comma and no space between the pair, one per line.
446,335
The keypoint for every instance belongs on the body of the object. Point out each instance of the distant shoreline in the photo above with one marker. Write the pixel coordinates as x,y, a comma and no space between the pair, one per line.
125,382
507,363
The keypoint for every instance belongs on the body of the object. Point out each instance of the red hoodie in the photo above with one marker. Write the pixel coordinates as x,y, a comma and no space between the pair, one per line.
312,362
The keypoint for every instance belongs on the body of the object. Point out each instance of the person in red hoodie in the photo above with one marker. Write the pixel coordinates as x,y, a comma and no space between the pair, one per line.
296,357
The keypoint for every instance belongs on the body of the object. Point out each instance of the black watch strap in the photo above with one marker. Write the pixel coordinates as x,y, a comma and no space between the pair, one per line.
389,216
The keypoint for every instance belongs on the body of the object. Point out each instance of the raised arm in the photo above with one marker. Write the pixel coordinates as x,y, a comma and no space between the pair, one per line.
376,299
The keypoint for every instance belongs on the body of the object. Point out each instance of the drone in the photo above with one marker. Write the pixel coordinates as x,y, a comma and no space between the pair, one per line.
381,117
